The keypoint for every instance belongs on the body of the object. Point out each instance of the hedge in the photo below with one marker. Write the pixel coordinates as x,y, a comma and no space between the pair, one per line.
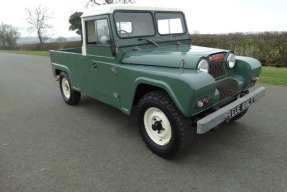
45,46
268,47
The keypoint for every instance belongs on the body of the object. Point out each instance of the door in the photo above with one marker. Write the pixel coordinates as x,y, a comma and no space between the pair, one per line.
101,62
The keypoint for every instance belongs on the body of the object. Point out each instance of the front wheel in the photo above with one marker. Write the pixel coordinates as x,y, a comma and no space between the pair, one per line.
162,126
70,96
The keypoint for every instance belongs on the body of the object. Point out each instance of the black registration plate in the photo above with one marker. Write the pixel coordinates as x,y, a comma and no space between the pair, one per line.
240,108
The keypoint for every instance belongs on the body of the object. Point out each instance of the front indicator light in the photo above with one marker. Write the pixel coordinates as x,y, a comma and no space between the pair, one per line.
205,101
199,104
202,102
254,79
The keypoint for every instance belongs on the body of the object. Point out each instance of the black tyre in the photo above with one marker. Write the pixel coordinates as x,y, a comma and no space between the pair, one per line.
162,126
70,96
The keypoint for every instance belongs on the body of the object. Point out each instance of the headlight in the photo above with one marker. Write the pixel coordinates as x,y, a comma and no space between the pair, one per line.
231,60
203,66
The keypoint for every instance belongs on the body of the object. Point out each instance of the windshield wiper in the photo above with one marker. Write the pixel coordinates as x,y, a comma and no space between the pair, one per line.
150,41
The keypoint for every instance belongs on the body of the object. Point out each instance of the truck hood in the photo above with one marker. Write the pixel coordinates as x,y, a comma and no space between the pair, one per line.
184,56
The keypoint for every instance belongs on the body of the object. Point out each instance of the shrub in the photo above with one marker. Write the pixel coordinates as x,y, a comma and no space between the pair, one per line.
45,46
268,47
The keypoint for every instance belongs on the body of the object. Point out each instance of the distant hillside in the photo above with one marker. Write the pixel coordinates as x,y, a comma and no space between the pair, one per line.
32,40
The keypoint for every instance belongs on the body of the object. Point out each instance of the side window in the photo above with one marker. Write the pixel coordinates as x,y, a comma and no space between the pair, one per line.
98,32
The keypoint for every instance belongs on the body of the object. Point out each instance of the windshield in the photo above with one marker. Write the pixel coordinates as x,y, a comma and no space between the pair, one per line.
141,24
131,24
170,23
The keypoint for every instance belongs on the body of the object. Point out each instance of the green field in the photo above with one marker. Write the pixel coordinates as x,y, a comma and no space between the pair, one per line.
273,75
269,75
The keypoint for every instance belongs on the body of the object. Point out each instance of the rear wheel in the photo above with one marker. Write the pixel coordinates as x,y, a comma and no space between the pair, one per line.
162,126
70,96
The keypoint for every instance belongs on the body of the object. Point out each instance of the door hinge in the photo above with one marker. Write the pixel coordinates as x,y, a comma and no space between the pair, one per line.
115,69
117,96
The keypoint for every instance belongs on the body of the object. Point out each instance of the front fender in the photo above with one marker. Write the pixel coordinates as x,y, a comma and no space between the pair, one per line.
185,87
165,86
247,67
185,91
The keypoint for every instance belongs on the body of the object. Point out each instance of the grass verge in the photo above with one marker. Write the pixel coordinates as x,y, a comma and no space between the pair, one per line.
37,53
273,75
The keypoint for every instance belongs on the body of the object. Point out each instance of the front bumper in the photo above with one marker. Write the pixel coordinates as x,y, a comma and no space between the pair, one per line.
223,114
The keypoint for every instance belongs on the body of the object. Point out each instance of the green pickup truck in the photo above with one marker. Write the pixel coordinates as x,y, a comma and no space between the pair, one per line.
142,57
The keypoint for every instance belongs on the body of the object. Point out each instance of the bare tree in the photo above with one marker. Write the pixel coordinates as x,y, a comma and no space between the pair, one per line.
8,35
38,19
104,2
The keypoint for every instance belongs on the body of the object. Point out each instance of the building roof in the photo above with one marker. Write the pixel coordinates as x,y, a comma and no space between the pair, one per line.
108,9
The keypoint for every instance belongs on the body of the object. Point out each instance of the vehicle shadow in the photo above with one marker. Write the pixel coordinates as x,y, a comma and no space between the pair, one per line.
213,145
124,125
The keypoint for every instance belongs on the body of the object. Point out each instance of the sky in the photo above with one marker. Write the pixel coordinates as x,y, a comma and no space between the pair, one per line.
203,16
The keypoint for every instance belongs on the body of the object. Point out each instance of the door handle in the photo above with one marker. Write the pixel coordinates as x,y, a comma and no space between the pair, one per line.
94,66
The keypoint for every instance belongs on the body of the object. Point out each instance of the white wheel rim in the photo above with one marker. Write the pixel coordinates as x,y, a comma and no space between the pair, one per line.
161,137
66,87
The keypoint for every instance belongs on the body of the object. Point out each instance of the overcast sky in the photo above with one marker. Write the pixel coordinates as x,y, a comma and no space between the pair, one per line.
204,16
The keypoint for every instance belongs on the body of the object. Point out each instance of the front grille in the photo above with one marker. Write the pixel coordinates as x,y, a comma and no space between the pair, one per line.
228,88
216,68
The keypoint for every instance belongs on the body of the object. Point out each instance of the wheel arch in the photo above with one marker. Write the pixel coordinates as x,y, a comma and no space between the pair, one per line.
58,72
144,86
143,89
57,69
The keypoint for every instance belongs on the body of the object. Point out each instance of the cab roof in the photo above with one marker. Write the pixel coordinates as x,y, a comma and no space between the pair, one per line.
108,9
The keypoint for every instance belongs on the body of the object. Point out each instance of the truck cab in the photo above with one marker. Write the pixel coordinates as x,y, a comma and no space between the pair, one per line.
143,57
